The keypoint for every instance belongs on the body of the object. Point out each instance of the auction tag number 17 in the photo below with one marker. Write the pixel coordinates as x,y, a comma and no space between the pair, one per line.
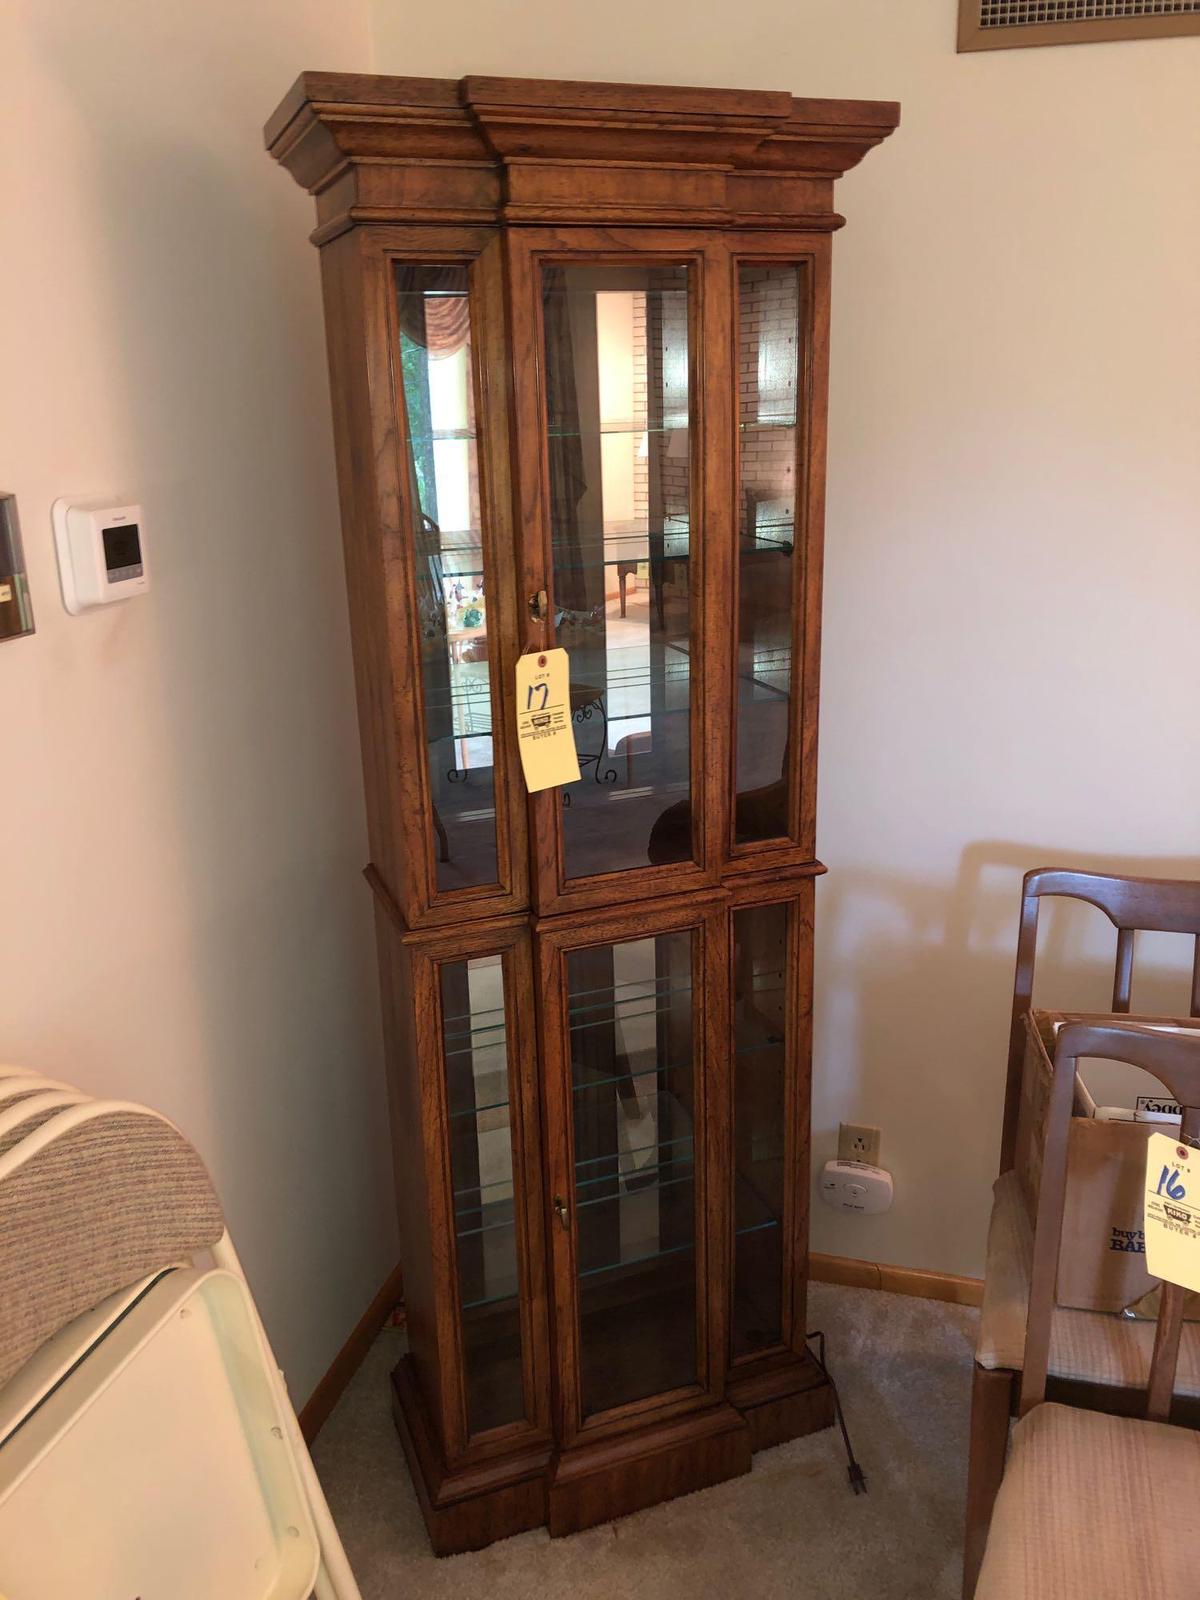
544,735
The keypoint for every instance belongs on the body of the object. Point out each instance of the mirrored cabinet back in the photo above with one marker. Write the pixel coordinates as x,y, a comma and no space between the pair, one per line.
579,345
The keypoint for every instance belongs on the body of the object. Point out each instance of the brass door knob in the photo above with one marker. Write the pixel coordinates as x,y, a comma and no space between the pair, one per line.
561,1212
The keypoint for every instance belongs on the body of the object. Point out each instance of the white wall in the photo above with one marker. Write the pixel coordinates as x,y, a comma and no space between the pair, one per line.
1013,579
181,824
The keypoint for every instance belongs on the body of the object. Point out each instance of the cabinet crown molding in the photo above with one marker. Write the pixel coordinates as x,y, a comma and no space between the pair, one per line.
531,150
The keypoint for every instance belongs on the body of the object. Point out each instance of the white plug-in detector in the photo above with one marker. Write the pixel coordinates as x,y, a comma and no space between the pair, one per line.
856,1186
101,552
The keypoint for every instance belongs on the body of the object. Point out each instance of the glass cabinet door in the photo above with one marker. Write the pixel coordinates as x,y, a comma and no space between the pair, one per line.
760,1118
618,415
476,1043
769,353
633,1035
454,590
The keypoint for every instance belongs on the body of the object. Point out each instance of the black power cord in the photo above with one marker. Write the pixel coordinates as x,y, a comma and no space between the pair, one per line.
858,1481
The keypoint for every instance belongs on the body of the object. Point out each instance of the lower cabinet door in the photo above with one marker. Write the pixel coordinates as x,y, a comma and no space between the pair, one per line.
629,1017
476,1071
770,948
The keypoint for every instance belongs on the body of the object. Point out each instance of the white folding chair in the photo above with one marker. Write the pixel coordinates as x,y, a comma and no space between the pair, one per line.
120,1347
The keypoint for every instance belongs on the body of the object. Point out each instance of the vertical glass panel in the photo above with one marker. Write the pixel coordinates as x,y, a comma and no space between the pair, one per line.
436,367
617,401
481,1171
769,384
760,940
630,1013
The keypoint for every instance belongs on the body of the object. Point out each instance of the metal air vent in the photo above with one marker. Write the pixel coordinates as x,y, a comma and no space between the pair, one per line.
1005,24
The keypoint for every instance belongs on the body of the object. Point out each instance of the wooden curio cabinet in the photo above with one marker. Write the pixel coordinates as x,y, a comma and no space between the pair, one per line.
578,339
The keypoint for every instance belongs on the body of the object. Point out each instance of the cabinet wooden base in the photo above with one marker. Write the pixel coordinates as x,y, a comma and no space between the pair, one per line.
594,1483
782,1402
471,1507
468,1508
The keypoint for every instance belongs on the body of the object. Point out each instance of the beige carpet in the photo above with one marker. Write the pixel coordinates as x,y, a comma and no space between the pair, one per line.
789,1530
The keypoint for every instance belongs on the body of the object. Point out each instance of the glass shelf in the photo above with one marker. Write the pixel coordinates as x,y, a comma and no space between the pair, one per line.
638,1191
494,1297
769,537
443,436
636,1261
628,1155
460,1037
653,985
474,1111
617,995
483,1227
785,419
752,1212
503,1184
620,428
629,1077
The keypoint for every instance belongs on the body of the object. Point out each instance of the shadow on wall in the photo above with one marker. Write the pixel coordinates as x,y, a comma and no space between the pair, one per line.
914,991
208,306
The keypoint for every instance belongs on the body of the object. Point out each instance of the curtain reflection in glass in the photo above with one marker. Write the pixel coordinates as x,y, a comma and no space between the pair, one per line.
434,317
618,419
769,381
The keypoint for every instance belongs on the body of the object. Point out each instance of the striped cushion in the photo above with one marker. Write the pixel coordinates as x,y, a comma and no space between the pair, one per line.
1095,1507
101,1206
1089,1346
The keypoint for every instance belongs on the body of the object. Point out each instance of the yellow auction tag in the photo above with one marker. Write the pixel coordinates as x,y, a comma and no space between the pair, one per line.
544,735
1172,1222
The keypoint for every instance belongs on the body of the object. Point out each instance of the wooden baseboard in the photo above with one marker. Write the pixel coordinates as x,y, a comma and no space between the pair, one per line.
896,1280
350,1357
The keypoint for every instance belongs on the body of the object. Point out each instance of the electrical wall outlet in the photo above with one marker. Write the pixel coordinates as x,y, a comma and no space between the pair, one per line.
856,1143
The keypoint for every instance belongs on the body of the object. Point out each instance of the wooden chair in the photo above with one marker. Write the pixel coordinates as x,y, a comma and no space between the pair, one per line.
1095,1359
1092,1505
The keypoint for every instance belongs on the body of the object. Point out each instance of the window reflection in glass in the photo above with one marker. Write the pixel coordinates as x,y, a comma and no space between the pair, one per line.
619,454
434,315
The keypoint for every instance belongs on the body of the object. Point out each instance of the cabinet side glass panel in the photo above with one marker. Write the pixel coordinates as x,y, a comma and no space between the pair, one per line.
769,378
453,623
475,1047
760,943
634,1116
616,379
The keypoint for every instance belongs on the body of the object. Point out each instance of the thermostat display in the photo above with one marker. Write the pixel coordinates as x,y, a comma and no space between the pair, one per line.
101,552
122,552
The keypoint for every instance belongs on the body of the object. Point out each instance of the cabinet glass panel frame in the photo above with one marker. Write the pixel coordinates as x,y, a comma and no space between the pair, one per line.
705,926
477,255
533,255
765,829
441,970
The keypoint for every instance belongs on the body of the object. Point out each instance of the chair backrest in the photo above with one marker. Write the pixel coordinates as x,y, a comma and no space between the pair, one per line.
1132,905
1174,1059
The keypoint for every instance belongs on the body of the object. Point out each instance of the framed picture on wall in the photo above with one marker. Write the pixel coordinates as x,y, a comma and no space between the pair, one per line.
1012,24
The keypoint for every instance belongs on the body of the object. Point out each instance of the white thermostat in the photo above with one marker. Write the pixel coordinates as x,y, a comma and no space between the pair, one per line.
101,552
856,1186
